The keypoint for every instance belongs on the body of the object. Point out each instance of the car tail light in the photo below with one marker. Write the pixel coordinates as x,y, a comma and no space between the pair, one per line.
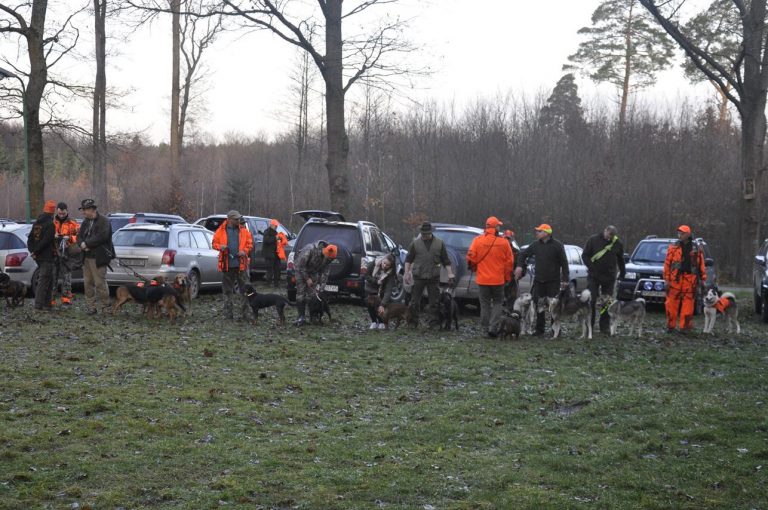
169,256
353,284
15,259
132,219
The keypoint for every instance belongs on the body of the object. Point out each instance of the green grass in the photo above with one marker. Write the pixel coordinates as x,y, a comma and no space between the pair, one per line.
122,412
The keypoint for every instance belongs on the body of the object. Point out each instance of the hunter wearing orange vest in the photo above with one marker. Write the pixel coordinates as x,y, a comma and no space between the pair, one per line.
683,269
490,256
235,244
66,236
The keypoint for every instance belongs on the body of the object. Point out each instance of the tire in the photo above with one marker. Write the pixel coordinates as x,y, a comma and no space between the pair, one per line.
194,283
398,291
758,304
765,308
33,283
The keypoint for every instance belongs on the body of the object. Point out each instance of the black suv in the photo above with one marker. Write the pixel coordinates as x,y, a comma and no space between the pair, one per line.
256,225
645,271
760,281
119,220
358,243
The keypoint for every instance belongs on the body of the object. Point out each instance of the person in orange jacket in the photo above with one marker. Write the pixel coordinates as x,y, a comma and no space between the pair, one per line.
684,268
66,236
235,244
490,256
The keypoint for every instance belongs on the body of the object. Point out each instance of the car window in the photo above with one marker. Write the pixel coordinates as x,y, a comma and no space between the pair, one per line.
574,257
201,240
340,235
261,225
455,239
118,223
377,242
284,230
391,245
141,238
9,241
185,241
654,252
213,223
209,237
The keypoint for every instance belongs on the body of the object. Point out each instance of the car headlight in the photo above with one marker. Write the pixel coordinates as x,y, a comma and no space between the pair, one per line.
630,276
648,286
658,286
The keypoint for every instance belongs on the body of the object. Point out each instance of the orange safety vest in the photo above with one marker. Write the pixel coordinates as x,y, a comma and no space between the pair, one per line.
245,245
68,227
723,304
673,262
492,258
282,242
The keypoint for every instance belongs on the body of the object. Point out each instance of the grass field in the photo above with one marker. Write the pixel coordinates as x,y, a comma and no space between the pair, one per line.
119,412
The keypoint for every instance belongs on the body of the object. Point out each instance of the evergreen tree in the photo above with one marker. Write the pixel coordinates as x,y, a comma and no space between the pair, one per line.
563,109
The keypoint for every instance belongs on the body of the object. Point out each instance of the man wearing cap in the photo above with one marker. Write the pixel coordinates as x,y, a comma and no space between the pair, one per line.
422,271
551,274
510,288
602,255
312,268
95,238
684,268
66,237
490,256
234,243
42,247
272,247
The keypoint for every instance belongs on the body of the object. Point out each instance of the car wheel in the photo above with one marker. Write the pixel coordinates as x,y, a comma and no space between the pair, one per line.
194,283
765,309
33,283
758,304
398,291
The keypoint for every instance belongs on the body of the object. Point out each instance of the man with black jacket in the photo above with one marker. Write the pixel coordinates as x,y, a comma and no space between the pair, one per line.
602,254
269,251
551,274
96,242
40,244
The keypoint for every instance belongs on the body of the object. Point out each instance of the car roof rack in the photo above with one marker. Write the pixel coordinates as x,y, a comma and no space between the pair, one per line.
652,236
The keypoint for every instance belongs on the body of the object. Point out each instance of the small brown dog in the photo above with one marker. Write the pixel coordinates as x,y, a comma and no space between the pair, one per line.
396,313
181,284
14,292
509,326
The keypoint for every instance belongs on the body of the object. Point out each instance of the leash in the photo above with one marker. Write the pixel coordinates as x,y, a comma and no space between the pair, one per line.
129,270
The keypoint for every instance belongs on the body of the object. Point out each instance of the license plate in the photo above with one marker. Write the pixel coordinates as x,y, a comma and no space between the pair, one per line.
653,293
331,288
133,262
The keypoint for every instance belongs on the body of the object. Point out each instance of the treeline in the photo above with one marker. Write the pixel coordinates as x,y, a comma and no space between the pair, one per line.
523,161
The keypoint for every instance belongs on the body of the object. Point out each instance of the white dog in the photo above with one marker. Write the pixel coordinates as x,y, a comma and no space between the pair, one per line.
632,312
725,304
523,306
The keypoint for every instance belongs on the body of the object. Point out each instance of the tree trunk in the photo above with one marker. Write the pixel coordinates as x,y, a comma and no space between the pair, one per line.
338,143
99,181
627,68
175,142
723,110
38,79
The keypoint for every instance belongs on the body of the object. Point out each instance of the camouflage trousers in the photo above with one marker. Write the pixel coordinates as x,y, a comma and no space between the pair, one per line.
65,277
233,284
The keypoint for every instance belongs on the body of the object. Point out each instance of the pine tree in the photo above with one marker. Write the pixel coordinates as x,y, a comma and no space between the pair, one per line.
563,109
623,47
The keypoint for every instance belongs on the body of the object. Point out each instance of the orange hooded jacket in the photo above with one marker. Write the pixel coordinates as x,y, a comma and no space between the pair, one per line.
282,242
672,274
68,227
220,241
491,256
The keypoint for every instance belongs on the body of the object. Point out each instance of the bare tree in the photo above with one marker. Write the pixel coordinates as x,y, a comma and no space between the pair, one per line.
99,179
743,79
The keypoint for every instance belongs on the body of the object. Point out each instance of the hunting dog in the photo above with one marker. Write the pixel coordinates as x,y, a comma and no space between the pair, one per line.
565,305
523,306
181,284
449,310
150,295
258,301
396,313
14,291
725,304
509,325
632,312
318,306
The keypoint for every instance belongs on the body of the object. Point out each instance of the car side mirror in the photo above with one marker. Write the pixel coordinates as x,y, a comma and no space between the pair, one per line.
626,257
709,262
760,260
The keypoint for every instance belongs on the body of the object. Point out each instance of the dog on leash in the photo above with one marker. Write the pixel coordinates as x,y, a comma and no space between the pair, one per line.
13,291
449,310
318,306
509,325
523,306
565,305
632,312
725,304
258,301
397,313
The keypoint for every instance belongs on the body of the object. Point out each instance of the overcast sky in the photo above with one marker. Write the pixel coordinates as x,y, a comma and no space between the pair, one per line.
475,49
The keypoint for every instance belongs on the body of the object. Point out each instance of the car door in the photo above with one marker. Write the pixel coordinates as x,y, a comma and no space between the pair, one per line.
207,258
185,251
257,226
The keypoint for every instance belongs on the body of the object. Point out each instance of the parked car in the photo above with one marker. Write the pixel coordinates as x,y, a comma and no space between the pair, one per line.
119,220
165,250
358,243
760,281
256,225
577,270
645,271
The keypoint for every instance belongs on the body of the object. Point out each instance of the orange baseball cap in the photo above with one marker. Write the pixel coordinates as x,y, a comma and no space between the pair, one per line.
274,223
684,228
492,222
330,251
49,207
544,228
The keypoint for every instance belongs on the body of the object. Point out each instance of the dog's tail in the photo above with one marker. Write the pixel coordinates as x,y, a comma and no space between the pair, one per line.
640,300
729,295
585,296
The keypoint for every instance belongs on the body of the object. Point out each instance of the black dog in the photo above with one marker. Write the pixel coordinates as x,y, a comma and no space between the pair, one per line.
259,301
449,311
13,291
317,307
509,325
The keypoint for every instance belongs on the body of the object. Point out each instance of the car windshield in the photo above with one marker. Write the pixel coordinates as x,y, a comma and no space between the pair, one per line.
651,252
118,223
340,235
10,241
141,238
456,239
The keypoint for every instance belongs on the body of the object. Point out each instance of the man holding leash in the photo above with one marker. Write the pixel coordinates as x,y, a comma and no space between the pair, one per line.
684,269
66,239
422,271
602,255
551,274
41,244
312,268
234,242
95,240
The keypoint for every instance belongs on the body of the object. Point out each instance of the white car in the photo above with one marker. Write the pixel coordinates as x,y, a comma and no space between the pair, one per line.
576,268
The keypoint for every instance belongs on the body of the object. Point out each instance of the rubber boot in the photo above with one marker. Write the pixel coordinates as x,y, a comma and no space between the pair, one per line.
301,307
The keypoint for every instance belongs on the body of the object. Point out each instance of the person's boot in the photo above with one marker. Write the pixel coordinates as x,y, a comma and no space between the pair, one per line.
301,307
540,322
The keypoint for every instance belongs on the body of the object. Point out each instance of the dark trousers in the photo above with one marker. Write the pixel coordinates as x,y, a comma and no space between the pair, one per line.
273,270
599,288
490,306
510,292
433,295
543,290
44,284
373,301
